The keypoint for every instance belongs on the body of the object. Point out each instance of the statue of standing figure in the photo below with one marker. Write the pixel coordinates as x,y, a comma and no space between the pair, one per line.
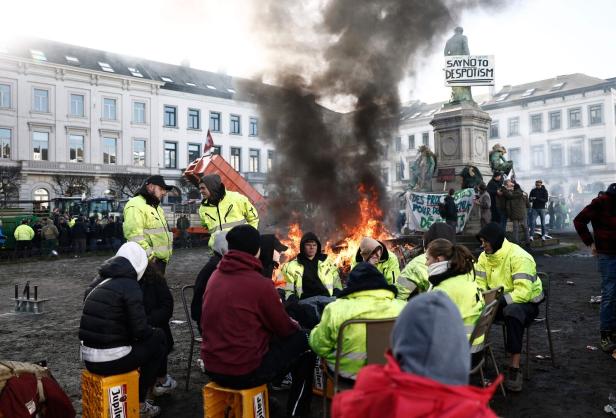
458,45
422,170
498,161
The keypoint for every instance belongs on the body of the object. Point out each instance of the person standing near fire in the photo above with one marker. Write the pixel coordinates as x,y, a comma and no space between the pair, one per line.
376,253
223,209
145,223
310,273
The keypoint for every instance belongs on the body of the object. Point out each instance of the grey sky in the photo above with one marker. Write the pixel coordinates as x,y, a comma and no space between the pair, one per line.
531,40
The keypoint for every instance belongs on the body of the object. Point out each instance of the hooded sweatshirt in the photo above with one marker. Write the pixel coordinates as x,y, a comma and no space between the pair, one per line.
423,337
241,314
311,283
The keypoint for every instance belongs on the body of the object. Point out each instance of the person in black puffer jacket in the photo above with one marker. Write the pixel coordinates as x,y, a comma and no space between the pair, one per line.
114,330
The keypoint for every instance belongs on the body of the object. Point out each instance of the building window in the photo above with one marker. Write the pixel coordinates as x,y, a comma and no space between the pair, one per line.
595,114
217,150
385,176
538,156
75,147
194,152
77,108
494,129
138,112
576,153
575,117
398,144
171,155
235,125
399,171
554,120
556,155
236,158
536,123
515,155
5,143
253,127
194,119
40,146
171,116
425,138
270,160
110,150
41,100
215,122
411,142
254,161
109,109
597,151
139,152
5,96
514,127
41,197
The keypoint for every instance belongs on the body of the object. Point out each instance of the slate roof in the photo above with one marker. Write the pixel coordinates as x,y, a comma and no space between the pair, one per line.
221,85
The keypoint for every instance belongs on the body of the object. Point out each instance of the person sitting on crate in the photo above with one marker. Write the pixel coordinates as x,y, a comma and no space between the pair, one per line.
114,331
248,338
222,209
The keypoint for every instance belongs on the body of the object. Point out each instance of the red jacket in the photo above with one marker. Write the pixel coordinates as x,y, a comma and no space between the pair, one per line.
601,212
387,391
240,314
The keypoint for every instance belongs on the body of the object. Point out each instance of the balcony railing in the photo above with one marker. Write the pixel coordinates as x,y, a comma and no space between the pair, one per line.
86,168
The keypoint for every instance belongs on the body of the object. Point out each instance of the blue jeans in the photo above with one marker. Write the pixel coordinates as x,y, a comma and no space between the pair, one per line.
533,221
607,268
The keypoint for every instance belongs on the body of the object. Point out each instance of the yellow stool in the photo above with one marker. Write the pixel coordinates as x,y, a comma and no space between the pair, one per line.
224,402
110,396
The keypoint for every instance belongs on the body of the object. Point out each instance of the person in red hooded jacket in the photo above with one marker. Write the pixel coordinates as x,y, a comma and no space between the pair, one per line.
427,370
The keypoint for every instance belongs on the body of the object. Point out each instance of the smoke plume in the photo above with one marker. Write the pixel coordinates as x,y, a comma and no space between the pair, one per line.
340,51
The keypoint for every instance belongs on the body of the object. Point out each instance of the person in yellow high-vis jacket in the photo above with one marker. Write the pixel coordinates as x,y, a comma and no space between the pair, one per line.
505,264
145,223
222,209
376,253
23,238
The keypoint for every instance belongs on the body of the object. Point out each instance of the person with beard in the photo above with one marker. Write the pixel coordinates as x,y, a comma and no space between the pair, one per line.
376,253
505,264
145,223
366,296
248,338
222,209
601,213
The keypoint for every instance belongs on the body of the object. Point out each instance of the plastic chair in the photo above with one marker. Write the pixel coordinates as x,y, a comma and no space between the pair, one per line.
545,280
377,343
193,337
482,329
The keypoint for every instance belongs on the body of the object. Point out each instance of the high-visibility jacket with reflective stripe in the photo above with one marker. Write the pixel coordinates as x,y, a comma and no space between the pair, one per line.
390,267
366,304
466,295
293,272
146,225
234,209
23,233
413,276
514,269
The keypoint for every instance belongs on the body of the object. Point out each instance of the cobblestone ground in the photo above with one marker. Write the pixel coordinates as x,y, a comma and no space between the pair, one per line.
578,387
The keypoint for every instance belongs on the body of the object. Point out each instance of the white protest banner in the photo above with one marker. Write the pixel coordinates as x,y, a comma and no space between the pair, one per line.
469,70
422,208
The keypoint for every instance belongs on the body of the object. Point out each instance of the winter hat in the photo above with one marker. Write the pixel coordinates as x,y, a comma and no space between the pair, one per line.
439,230
244,238
611,190
135,255
429,339
220,245
494,234
367,246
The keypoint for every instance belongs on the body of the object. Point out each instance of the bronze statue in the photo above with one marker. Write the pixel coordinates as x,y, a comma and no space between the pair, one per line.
471,177
422,170
498,161
458,45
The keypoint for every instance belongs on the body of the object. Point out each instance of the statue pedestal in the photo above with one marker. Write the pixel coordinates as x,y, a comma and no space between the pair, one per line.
461,139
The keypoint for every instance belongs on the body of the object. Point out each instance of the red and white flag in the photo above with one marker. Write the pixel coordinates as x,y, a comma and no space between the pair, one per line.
209,142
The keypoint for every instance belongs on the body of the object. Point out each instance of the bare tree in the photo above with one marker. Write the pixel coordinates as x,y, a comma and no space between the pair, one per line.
126,185
10,181
188,188
71,185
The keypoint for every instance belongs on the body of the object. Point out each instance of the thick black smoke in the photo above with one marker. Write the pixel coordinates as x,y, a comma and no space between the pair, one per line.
358,51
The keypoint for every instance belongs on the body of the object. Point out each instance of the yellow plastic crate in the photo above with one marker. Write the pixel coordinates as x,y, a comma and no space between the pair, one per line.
221,402
114,396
